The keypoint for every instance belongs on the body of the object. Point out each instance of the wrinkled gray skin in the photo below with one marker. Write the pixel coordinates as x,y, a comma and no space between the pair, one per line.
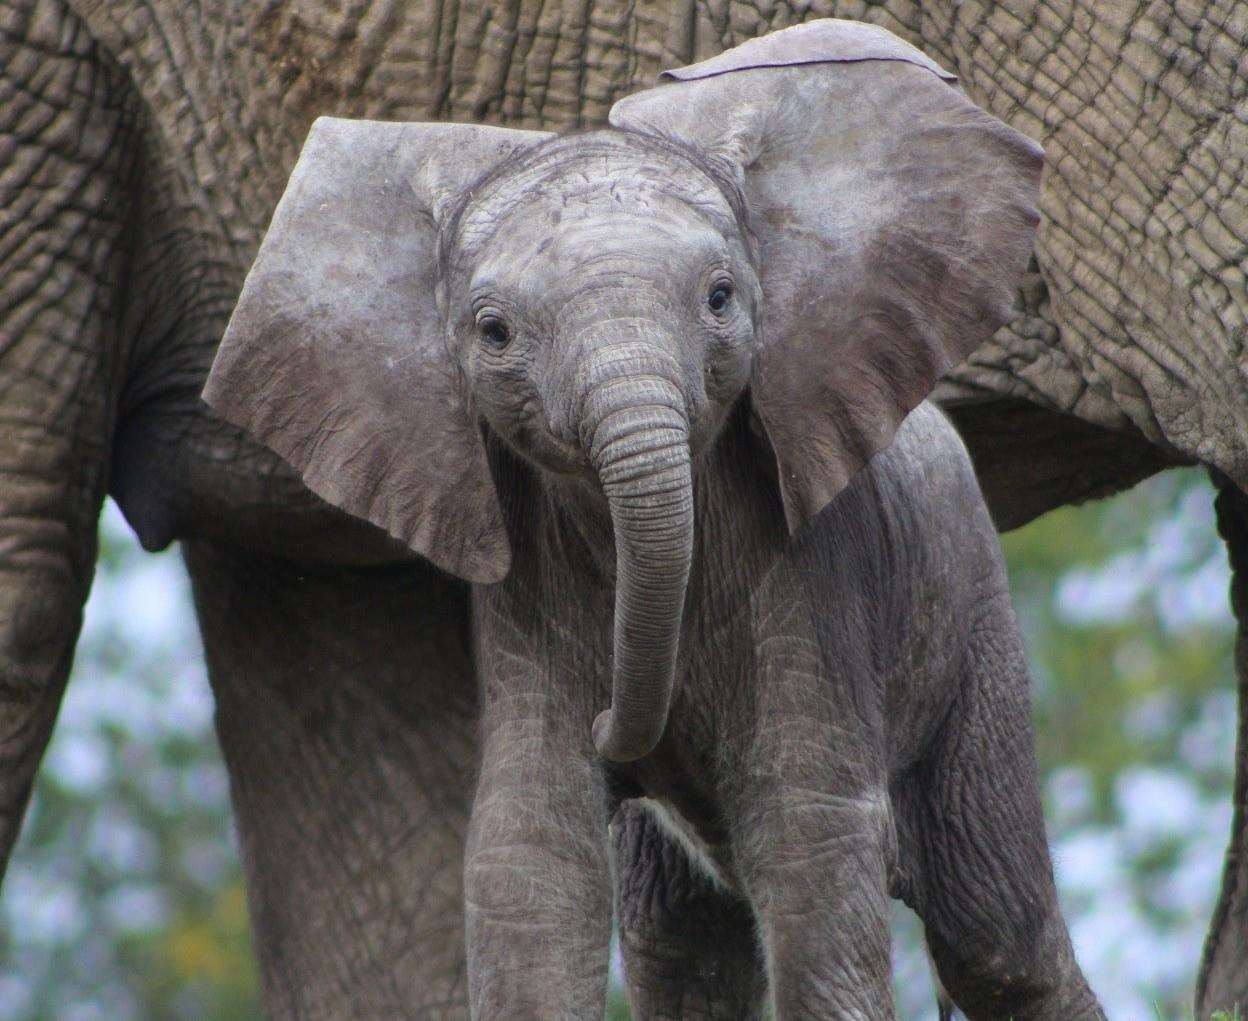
837,731
143,147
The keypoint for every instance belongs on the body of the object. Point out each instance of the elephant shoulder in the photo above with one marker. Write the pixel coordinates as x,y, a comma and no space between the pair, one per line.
928,457
927,477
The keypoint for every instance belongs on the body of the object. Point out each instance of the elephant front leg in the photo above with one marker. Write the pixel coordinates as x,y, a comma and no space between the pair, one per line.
537,892
814,860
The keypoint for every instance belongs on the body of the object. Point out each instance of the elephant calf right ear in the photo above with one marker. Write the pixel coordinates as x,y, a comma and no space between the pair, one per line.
336,356
893,218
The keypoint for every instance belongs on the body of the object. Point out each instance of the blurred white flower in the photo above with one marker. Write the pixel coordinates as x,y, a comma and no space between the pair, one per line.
1155,804
80,766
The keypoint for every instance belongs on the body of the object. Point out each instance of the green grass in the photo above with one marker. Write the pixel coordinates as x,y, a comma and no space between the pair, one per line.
1217,1015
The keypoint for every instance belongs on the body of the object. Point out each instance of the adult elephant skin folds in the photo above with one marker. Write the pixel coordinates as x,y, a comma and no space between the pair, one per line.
153,141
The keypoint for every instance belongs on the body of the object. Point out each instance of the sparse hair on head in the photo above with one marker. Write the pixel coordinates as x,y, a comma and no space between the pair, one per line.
714,168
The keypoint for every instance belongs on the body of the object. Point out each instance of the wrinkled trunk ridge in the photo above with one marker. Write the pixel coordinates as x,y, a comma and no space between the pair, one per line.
637,435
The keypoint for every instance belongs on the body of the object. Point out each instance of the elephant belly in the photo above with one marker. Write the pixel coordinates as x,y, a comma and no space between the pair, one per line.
181,474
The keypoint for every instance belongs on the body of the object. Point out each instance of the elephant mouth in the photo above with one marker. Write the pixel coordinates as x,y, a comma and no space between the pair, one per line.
540,442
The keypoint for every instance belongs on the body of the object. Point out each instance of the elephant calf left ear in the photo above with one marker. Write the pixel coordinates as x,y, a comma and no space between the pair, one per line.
893,217
336,356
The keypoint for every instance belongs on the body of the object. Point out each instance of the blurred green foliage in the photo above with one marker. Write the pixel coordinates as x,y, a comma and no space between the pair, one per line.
1125,608
1118,684
124,898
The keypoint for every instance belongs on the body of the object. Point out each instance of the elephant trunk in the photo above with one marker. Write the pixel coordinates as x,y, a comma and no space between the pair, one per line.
637,433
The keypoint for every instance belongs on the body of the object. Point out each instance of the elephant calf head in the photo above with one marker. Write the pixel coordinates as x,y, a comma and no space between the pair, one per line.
816,217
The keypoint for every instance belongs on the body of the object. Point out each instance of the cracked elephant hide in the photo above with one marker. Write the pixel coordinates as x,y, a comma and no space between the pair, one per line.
143,147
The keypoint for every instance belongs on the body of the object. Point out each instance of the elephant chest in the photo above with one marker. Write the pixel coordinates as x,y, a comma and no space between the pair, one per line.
781,695
748,693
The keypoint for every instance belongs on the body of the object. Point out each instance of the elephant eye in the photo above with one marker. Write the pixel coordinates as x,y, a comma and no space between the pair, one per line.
493,331
719,297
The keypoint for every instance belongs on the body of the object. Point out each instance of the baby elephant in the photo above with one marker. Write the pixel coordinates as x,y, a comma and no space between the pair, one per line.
656,390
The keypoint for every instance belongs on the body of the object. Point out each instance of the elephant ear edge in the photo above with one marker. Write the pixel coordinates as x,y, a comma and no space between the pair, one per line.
336,355
893,220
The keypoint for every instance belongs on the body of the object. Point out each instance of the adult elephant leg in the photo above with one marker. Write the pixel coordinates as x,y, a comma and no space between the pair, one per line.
66,164
346,712
1223,981
689,946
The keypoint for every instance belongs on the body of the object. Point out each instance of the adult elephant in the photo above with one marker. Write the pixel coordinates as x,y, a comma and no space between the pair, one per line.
143,147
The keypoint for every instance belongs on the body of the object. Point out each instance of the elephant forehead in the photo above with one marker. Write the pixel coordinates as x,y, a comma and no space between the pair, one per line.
626,243
585,179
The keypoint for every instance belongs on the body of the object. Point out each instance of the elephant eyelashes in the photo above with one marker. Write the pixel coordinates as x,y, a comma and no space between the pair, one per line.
719,298
494,331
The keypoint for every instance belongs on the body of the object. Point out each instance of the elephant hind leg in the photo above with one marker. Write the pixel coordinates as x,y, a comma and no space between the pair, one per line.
1223,980
67,169
973,851
689,947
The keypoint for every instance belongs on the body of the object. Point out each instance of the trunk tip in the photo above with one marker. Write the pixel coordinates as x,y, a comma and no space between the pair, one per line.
608,741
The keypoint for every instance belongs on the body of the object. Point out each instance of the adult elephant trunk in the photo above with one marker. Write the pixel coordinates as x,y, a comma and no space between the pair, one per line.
635,426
